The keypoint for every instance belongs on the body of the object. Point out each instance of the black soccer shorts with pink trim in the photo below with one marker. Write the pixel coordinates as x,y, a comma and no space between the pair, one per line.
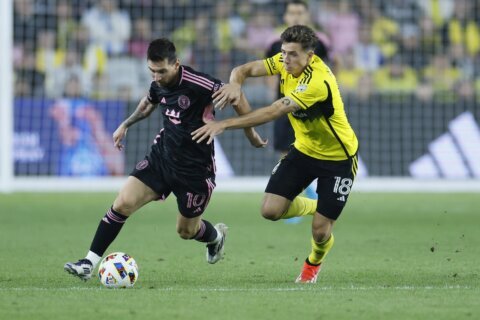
193,194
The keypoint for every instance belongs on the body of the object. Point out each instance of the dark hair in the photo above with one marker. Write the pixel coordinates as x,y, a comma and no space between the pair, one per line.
161,49
296,3
303,35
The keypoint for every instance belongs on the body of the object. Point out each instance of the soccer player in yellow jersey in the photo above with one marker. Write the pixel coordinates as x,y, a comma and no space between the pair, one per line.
325,145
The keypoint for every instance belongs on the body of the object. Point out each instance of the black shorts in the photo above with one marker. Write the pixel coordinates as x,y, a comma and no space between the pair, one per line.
192,195
283,135
296,171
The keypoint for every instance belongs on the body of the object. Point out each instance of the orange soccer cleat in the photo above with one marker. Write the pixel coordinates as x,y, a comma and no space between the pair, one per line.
309,273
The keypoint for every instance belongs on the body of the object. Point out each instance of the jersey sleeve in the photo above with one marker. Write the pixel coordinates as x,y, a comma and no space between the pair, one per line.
274,65
152,94
307,94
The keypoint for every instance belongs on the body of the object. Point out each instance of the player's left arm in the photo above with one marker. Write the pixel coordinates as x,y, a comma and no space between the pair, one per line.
254,118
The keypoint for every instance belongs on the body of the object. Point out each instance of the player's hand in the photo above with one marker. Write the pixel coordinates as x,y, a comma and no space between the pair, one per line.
255,139
228,94
118,136
208,131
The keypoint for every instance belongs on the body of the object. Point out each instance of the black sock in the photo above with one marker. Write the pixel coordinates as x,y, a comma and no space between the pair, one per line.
206,233
107,231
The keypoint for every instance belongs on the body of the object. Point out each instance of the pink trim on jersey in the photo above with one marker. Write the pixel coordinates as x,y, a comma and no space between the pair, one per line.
208,113
201,81
206,80
157,136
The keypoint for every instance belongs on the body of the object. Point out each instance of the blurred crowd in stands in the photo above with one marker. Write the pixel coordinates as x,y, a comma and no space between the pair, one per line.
426,48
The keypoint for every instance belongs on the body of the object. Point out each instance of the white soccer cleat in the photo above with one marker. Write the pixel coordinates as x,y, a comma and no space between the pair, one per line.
82,269
215,250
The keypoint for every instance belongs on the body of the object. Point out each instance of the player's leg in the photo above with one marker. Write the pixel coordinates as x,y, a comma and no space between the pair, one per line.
288,179
322,241
192,199
283,138
202,230
133,195
334,192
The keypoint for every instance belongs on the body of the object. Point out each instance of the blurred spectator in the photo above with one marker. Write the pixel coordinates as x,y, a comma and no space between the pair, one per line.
348,74
409,48
58,76
66,26
385,33
442,76
141,37
108,27
430,40
439,11
25,24
368,56
228,26
343,28
259,27
297,12
463,28
395,77
405,13
47,56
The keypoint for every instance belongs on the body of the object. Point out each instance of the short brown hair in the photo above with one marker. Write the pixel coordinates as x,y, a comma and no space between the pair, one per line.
303,35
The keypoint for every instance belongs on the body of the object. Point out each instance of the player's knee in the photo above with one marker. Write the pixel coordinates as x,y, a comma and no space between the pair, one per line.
124,204
270,212
185,233
320,235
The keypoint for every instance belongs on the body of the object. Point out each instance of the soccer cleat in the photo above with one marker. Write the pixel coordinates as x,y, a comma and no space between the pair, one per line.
215,250
309,273
82,268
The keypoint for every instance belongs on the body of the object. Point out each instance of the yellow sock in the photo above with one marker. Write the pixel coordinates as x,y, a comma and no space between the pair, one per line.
301,206
320,250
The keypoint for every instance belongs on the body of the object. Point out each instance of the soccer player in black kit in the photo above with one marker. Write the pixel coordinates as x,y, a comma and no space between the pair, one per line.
175,163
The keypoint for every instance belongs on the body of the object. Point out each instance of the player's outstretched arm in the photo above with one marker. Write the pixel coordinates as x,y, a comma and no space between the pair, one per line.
252,135
260,116
230,93
143,110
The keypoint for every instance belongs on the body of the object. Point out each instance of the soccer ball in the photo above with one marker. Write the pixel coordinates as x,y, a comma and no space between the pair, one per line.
118,270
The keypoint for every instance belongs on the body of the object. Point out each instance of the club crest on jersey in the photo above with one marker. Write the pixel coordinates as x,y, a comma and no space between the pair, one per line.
301,88
183,102
142,165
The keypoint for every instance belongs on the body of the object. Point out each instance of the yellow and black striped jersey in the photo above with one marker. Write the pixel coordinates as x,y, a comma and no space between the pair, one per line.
322,130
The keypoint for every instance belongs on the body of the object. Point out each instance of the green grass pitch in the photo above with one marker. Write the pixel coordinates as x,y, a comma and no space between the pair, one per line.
396,256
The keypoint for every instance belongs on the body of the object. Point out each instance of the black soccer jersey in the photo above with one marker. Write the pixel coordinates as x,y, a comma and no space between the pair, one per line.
185,108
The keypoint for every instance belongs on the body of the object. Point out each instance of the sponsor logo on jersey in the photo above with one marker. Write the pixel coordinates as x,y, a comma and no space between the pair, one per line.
301,88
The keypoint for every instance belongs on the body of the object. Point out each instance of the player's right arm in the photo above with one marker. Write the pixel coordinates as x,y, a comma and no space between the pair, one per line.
231,92
143,110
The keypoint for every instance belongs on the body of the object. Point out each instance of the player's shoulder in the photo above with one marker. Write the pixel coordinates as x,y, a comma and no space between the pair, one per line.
196,79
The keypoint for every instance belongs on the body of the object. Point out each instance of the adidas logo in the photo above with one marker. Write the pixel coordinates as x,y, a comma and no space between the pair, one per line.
454,154
342,198
164,101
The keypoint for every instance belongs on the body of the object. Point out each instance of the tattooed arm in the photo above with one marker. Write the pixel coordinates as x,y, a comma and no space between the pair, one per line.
257,117
144,109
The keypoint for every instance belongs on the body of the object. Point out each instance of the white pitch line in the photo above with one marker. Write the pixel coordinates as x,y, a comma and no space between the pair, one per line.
306,287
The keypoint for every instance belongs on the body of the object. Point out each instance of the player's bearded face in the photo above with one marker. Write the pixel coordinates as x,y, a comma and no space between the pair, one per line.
163,72
295,58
